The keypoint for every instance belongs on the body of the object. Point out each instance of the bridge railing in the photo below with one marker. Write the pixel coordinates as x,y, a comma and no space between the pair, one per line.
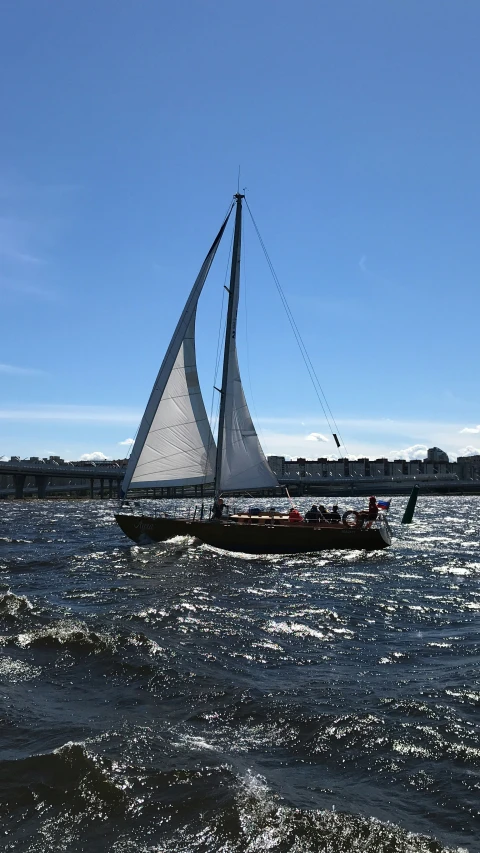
57,469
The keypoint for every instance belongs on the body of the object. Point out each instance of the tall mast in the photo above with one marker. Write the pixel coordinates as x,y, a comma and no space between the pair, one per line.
230,334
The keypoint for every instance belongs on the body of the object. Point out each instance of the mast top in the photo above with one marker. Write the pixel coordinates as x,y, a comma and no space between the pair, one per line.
238,196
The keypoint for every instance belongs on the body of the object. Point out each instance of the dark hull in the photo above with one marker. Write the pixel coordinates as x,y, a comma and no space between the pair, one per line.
255,539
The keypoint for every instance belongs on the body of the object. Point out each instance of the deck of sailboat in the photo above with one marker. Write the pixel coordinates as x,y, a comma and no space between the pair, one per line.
270,518
259,537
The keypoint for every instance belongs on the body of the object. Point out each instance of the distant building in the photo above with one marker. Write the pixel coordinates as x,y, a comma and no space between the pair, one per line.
434,454
101,463
335,470
469,467
277,464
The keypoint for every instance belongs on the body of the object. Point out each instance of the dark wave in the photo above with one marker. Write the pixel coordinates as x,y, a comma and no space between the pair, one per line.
12,606
255,820
77,637
204,809
67,777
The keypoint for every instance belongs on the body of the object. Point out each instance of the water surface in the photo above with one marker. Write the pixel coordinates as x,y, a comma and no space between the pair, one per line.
177,698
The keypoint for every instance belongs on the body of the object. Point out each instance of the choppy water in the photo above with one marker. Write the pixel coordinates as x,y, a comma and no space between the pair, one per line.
176,698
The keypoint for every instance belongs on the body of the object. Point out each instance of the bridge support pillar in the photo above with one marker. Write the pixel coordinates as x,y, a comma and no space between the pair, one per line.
19,481
41,482
91,487
101,486
110,487
119,489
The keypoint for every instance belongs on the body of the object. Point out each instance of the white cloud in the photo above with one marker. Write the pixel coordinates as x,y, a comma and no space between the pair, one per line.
315,436
472,430
96,456
380,438
12,370
416,451
128,442
469,451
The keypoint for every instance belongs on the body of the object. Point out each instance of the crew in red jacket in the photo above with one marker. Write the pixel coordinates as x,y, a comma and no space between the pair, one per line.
294,516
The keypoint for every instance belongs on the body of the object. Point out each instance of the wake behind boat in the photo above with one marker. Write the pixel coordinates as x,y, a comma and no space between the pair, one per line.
175,447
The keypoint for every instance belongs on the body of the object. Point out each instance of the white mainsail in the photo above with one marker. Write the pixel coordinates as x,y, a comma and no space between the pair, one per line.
242,463
174,445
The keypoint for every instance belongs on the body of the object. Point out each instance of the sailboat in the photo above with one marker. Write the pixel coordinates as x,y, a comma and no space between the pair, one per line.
175,447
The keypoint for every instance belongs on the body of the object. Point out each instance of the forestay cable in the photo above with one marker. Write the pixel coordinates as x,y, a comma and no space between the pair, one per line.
303,350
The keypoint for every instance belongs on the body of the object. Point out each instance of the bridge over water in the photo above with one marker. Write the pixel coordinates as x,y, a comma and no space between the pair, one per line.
19,478
23,478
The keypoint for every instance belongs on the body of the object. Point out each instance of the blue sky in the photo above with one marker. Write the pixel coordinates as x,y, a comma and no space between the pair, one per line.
357,129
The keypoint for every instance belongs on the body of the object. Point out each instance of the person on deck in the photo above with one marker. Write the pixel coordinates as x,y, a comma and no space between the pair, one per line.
372,508
218,508
313,515
369,515
294,516
334,516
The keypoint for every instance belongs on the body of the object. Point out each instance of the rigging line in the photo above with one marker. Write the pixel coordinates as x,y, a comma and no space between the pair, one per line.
298,337
291,319
244,276
132,445
127,457
229,209
303,350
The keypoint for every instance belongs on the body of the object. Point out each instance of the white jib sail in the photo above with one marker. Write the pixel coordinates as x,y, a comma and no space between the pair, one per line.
174,444
243,462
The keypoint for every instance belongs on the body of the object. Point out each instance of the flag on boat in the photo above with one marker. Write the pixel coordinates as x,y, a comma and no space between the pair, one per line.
384,505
